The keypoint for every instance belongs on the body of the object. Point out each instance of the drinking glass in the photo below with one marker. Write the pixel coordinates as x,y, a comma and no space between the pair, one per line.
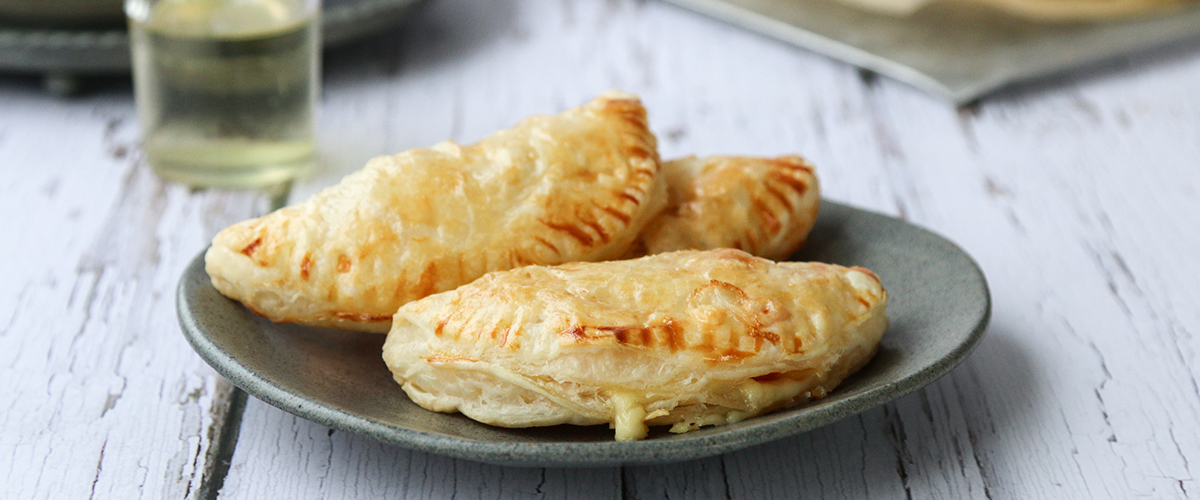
226,90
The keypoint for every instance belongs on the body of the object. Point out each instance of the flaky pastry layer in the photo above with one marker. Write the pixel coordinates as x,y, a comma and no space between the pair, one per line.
686,339
578,186
764,206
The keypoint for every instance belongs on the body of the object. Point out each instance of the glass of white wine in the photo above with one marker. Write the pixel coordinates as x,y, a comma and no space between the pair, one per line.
226,89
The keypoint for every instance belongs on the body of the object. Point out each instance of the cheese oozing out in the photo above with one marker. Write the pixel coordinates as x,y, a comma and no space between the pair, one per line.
684,339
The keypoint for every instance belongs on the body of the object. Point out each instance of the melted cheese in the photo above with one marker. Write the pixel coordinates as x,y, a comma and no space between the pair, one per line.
629,416
761,394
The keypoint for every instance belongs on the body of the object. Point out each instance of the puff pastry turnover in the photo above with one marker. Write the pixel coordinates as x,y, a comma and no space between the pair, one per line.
765,206
686,339
553,189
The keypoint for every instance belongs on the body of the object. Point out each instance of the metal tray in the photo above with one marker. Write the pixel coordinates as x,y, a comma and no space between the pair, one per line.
953,50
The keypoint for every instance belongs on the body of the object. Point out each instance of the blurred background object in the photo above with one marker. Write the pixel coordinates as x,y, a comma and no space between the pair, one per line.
964,49
226,90
64,40
1049,11
958,49
62,14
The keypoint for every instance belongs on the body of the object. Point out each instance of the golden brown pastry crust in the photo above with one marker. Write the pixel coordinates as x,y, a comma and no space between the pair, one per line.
684,339
553,189
765,206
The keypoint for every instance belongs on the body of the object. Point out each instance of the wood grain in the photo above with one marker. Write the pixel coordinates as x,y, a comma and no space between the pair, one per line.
102,397
1079,197
1070,194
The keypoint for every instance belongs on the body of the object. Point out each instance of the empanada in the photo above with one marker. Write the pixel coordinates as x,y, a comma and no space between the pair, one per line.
686,339
765,206
553,189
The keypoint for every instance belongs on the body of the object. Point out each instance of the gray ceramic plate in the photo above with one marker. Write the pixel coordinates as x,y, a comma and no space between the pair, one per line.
939,308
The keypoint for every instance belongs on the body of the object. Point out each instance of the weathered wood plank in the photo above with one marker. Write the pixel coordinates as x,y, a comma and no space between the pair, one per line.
1078,197
102,396
308,460
1083,196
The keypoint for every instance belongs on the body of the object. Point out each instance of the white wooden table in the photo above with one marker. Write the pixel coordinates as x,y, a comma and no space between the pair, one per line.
1079,197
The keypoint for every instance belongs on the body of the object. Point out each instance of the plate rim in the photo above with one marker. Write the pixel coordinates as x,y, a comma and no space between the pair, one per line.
589,454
